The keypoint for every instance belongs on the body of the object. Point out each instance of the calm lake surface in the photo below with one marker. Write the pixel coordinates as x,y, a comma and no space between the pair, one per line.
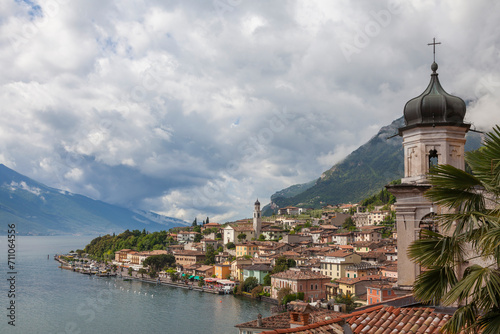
51,300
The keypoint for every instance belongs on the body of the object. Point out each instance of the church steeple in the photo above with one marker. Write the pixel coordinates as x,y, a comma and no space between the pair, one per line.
257,219
434,106
434,133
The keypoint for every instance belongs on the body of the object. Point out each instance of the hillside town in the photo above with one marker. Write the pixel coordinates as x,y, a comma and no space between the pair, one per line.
327,257
345,268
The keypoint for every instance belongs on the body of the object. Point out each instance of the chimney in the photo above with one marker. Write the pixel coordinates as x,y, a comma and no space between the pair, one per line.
299,314
259,320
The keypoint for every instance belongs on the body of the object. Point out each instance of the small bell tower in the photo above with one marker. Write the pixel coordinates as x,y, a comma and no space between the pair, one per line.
257,219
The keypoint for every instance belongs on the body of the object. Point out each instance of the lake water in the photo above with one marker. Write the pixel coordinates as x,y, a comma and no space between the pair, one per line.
51,300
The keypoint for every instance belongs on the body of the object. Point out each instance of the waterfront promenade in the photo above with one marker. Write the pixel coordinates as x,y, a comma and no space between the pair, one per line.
137,277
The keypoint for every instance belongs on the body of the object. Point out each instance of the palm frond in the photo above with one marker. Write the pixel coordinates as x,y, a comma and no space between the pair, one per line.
434,249
433,284
464,318
480,283
464,222
455,188
489,243
485,162
489,323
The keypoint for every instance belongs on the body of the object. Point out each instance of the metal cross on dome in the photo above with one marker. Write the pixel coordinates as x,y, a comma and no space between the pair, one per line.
434,47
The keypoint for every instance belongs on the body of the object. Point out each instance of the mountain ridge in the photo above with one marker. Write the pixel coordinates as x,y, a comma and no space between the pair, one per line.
38,209
363,173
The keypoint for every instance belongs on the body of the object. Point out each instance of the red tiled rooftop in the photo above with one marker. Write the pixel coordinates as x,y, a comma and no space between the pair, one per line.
379,320
339,253
299,274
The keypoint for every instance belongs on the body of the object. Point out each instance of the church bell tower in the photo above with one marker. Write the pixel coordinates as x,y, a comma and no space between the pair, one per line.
257,219
434,133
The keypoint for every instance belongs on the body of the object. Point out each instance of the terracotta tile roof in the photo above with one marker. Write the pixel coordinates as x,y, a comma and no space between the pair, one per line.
379,320
365,244
212,225
259,267
400,320
299,274
329,227
188,253
346,234
205,268
290,253
391,267
339,253
371,228
242,227
347,280
282,320
372,254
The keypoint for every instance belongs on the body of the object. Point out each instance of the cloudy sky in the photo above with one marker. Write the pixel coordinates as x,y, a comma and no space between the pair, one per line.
197,108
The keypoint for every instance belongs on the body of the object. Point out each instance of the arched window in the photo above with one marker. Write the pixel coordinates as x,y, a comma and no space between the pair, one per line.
433,158
427,222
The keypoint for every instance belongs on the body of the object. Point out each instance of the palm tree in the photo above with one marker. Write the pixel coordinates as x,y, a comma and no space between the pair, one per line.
461,260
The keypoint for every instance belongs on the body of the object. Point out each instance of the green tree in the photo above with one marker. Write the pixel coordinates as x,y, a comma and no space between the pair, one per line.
195,222
250,283
468,233
282,263
230,245
197,237
171,241
267,280
349,224
262,237
256,291
241,237
210,255
201,282
174,275
158,262
349,300
130,270
292,296
282,293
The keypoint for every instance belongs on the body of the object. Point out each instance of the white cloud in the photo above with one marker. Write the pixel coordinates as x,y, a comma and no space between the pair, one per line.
152,105
13,186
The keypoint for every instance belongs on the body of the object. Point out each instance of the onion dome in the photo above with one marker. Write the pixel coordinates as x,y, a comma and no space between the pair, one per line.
434,106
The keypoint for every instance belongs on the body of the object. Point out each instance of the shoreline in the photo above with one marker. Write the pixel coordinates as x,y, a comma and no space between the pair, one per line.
64,265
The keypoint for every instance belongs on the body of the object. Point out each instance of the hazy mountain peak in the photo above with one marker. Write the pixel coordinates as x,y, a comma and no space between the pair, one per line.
40,210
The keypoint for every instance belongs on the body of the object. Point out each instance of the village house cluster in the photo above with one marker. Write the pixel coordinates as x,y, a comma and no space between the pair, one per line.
328,259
